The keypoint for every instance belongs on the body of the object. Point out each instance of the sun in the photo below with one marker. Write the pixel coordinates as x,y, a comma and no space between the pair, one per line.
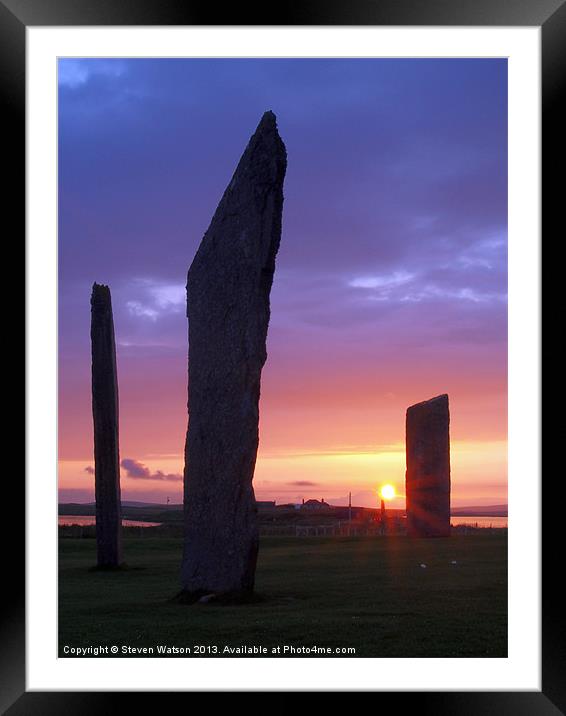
387,492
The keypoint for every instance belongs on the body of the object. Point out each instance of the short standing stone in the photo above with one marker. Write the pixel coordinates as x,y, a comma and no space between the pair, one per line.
428,468
105,416
228,289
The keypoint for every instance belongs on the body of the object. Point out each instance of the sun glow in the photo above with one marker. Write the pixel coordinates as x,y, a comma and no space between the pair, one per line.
387,492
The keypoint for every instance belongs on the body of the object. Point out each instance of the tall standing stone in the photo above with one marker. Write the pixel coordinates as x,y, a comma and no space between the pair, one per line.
428,468
228,289
105,416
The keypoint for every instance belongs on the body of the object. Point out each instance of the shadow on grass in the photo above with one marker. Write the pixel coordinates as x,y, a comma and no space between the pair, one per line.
202,597
114,568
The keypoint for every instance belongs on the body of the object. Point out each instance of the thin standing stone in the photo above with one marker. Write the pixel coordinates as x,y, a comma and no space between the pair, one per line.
105,416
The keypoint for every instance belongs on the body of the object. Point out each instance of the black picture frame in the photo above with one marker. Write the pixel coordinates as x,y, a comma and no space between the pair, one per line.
15,16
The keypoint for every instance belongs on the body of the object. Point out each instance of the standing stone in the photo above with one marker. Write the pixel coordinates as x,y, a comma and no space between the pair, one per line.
428,468
105,416
228,290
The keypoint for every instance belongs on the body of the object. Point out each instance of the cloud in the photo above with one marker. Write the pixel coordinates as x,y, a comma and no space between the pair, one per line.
89,469
487,253
169,297
139,471
303,483
136,308
386,281
156,299
134,468
432,292
74,73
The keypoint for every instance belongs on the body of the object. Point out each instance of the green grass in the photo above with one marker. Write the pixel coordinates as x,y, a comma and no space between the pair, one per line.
367,593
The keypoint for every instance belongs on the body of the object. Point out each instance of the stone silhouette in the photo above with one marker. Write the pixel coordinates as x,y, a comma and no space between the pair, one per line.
105,417
228,289
428,468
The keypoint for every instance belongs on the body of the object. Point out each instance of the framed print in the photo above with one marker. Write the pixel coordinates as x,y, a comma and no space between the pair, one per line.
345,204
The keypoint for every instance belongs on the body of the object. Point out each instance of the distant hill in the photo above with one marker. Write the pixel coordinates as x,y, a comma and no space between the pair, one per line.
130,510
125,503
480,511
133,503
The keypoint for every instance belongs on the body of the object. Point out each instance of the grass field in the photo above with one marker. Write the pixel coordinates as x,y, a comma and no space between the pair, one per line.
367,593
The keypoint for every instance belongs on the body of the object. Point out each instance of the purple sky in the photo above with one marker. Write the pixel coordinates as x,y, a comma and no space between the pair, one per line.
391,280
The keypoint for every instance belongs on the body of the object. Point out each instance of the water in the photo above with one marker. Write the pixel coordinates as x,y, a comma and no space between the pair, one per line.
86,520
479,521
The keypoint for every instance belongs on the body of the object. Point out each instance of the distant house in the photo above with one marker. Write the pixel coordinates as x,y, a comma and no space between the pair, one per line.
263,505
316,505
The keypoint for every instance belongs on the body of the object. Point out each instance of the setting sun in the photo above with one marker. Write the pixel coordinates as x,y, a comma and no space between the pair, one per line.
387,492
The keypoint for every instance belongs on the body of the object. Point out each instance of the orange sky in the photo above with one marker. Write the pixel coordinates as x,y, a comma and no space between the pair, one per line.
320,436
